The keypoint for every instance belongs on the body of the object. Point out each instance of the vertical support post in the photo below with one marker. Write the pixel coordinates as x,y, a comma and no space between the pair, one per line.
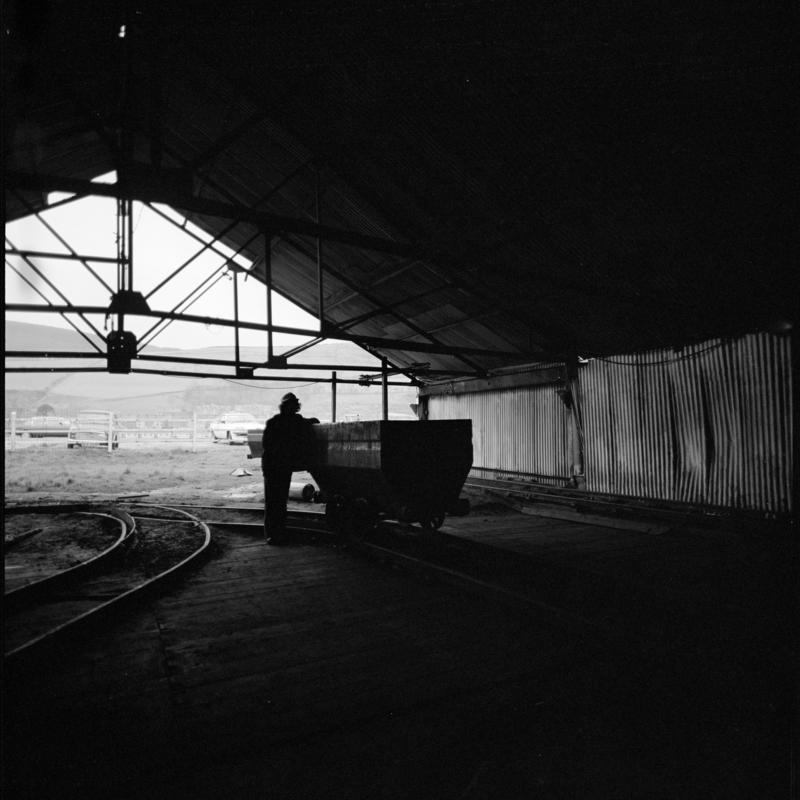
122,232
236,316
124,160
268,284
124,253
422,411
319,258
576,420
129,209
110,431
794,344
385,387
194,431
14,429
333,396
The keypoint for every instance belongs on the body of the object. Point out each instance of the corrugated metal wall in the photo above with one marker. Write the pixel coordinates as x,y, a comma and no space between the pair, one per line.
708,425
522,430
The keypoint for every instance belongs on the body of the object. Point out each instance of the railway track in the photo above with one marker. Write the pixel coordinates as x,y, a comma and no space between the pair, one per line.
432,556
91,557
150,549
499,576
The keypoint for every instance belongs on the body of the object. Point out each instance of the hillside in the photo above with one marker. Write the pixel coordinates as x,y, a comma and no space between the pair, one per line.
158,394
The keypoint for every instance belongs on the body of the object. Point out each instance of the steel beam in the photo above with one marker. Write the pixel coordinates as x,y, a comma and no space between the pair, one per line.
206,245
360,291
64,316
184,374
220,362
164,324
264,378
57,204
235,278
385,388
268,289
198,205
54,354
555,375
330,332
65,310
55,369
196,289
301,347
320,298
62,256
83,259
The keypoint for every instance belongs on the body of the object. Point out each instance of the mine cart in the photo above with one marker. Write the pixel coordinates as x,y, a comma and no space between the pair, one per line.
411,471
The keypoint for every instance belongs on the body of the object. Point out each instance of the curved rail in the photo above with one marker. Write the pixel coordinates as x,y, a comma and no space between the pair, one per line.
31,592
85,619
311,522
181,564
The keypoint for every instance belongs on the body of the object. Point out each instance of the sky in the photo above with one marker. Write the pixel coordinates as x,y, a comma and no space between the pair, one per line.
88,225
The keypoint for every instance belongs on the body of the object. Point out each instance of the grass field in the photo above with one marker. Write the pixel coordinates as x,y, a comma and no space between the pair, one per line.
53,472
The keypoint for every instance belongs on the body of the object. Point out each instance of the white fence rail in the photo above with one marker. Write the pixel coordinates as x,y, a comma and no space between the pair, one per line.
187,430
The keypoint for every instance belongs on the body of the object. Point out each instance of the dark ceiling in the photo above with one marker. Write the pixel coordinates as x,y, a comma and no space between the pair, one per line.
569,178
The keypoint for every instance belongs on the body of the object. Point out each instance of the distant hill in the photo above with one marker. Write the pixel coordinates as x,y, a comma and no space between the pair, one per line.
158,394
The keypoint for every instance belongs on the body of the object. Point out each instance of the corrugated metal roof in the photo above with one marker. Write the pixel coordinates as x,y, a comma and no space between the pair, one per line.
570,183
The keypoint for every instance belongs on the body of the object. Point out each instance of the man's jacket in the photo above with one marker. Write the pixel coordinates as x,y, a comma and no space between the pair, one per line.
288,442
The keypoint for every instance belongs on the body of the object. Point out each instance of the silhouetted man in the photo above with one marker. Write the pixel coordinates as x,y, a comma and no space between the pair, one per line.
287,446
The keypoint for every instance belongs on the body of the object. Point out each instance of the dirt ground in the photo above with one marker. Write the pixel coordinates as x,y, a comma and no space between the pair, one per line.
215,474
53,473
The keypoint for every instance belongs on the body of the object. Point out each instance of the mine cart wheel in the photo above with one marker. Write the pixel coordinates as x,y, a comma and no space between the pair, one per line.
334,514
361,519
432,522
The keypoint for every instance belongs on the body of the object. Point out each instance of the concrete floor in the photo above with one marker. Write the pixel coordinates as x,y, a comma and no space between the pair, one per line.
309,672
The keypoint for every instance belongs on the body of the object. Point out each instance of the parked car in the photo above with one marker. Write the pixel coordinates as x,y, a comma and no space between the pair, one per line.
91,429
43,426
233,426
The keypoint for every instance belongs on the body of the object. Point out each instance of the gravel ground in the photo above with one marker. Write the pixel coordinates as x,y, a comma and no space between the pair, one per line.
39,544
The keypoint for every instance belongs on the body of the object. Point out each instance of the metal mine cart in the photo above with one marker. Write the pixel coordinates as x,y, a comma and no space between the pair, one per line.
411,471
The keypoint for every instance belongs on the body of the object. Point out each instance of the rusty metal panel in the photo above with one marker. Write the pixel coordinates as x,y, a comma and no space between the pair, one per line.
524,430
708,425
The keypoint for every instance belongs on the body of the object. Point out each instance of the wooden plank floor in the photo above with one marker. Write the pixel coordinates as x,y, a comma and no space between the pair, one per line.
307,672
